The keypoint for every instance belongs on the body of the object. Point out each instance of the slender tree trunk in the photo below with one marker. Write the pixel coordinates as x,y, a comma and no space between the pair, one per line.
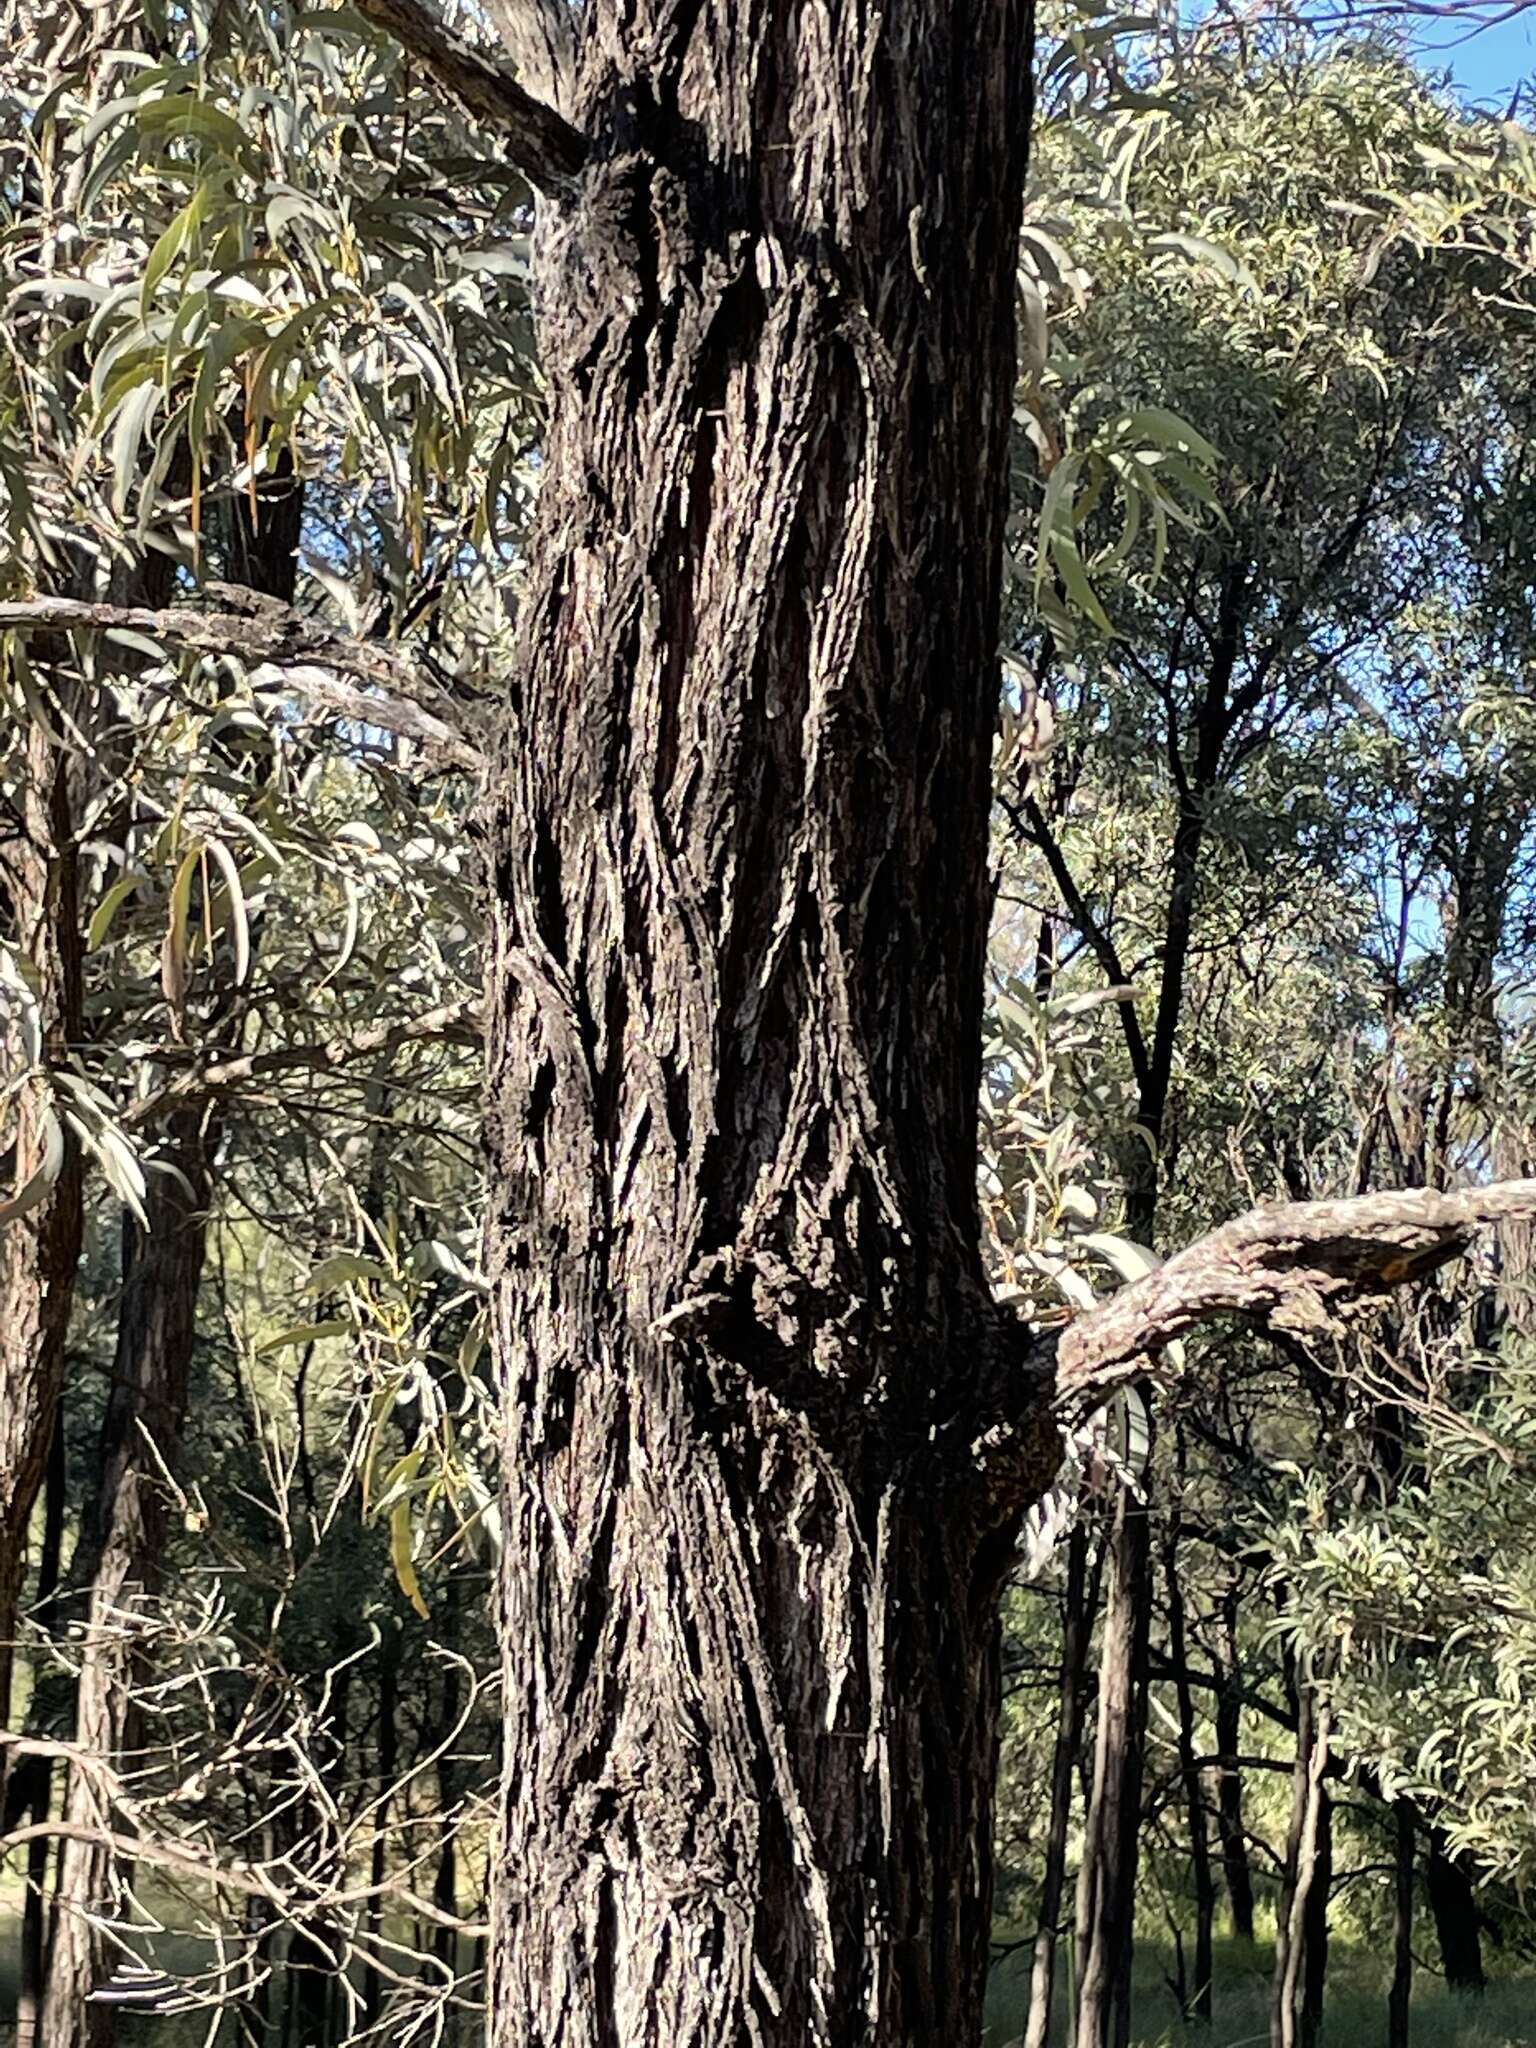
32,1808
1236,1868
1307,1870
1458,1924
1199,2003
117,1560
445,1888
1079,1600
40,1240
388,1758
739,865
1106,1893
1402,1962
1316,1933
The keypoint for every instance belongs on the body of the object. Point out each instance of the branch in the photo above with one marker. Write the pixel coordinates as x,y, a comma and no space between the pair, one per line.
1034,826
451,1021
1295,1266
540,142
257,629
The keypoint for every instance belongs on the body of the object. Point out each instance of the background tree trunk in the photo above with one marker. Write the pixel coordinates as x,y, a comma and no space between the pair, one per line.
1236,1868
40,1247
1402,1962
1106,1893
1458,1927
739,866
117,1560
1199,2005
29,1795
1079,1602
1307,1875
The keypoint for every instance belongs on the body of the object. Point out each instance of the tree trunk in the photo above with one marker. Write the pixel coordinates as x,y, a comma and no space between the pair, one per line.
39,1242
1078,1603
1236,1869
1307,1872
445,1887
1315,1925
117,1559
1458,1924
388,1755
1402,1962
739,866
1199,2003
30,1792
1106,1892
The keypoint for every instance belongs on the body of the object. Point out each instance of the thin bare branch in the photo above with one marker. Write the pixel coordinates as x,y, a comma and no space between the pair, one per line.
397,699
455,1021
539,140
1295,1267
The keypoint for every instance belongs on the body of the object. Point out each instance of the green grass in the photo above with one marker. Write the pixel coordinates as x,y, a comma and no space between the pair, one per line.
1356,2016
1505,2017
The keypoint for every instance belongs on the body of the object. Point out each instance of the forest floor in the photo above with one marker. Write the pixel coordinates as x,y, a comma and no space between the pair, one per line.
1504,2017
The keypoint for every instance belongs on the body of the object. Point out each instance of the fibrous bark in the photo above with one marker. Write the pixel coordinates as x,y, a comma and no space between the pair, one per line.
750,1624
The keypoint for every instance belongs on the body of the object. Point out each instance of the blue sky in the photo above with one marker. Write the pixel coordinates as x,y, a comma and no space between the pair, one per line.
1489,64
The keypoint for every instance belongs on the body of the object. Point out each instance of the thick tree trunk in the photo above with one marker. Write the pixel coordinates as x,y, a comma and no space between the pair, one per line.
1458,1924
739,862
1106,1892
1078,1604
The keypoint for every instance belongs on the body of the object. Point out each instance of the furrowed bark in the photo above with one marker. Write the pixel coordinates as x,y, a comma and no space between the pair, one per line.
750,1625
538,140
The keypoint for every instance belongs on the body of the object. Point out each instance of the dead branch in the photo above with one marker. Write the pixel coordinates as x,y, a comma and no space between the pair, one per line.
1296,1267
257,630
456,1022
